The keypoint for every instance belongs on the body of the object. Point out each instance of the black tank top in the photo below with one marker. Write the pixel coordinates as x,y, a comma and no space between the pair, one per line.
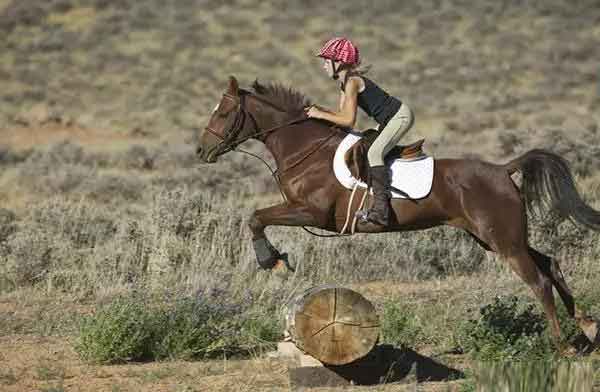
376,102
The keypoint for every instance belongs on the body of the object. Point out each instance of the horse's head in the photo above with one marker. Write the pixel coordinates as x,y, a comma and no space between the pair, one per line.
226,126
242,115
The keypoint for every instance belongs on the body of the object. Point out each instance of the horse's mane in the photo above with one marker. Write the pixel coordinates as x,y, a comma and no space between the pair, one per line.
286,98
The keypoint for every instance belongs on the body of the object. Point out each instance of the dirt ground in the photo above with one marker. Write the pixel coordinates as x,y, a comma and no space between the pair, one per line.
34,363
21,138
31,363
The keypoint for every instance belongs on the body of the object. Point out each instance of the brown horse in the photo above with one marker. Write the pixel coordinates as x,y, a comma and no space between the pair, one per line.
469,194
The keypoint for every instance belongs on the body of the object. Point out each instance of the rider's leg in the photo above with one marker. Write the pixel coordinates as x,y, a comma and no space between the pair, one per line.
391,135
397,127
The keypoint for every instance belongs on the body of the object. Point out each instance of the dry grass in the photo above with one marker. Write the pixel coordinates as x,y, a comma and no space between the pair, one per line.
100,221
177,55
101,194
76,20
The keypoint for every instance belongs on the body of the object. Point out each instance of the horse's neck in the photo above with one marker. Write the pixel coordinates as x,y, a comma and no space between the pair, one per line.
291,143
294,142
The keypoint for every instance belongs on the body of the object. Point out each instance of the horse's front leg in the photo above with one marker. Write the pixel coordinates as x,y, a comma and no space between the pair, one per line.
280,215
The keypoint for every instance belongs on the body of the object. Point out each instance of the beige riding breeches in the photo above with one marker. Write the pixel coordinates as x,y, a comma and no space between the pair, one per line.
390,136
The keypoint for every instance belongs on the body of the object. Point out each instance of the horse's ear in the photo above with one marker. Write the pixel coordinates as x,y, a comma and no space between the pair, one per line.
233,88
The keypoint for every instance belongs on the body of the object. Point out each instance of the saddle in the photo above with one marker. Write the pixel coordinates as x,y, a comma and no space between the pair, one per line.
356,156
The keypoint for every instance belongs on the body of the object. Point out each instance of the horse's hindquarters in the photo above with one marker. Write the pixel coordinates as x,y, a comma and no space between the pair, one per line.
441,205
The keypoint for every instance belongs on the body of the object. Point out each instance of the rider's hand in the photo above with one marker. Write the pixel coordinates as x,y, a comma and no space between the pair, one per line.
312,111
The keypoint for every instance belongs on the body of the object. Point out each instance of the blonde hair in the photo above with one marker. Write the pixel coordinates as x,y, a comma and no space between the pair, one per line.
354,70
361,69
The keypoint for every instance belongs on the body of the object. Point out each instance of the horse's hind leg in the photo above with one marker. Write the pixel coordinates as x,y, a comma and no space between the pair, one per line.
522,262
540,272
541,284
503,230
511,244
551,268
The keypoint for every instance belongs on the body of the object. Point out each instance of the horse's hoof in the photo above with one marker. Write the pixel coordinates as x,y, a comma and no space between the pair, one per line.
280,272
284,264
279,267
266,254
568,351
589,326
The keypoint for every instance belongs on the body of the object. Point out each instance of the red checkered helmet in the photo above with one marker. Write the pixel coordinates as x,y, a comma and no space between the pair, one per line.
340,49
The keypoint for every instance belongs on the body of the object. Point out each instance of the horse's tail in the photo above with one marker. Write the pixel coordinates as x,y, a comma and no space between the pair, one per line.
548,183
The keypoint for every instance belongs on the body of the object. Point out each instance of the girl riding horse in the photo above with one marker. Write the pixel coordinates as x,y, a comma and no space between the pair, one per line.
395,118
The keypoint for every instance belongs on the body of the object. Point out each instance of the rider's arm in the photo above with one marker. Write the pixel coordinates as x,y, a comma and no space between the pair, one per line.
342,99
346,117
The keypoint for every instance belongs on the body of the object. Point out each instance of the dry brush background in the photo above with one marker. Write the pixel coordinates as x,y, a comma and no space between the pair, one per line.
101,194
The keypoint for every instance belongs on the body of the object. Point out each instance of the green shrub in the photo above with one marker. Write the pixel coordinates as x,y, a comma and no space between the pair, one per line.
195,329
260,330
545,375
399,325
506,330
121,331
509,328
187,328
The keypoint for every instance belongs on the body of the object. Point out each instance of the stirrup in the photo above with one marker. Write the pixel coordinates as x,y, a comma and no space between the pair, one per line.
362,215
286,262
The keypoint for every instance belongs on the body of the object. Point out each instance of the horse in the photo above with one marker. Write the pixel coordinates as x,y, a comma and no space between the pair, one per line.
478,197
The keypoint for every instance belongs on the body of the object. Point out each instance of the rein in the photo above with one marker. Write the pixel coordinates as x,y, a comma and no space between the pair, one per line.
230,142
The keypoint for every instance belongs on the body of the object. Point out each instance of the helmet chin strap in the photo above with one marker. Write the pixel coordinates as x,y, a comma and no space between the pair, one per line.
335,75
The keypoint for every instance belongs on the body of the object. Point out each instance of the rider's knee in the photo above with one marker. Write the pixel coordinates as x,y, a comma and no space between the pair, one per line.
375,157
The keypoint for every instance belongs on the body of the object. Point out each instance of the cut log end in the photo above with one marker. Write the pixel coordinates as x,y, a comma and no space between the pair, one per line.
333,324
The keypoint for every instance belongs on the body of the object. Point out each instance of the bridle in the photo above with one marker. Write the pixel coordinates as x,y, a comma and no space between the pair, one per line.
229,141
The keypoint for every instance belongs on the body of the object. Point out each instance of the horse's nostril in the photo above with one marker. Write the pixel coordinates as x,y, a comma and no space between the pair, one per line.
198,150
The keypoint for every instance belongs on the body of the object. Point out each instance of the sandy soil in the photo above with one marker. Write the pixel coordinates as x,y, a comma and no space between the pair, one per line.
21,138
34,363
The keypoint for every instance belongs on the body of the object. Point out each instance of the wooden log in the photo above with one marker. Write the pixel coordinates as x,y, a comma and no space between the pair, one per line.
333,324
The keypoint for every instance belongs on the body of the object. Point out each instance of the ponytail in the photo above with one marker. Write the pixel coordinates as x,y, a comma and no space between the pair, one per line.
363,70
356,70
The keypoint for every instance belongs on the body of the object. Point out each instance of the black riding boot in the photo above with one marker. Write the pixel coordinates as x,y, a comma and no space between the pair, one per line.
379,213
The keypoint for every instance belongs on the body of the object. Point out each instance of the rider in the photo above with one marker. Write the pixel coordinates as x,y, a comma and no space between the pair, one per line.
341,61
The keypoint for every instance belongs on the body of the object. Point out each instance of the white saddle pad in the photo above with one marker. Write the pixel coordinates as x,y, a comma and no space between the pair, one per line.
414,177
